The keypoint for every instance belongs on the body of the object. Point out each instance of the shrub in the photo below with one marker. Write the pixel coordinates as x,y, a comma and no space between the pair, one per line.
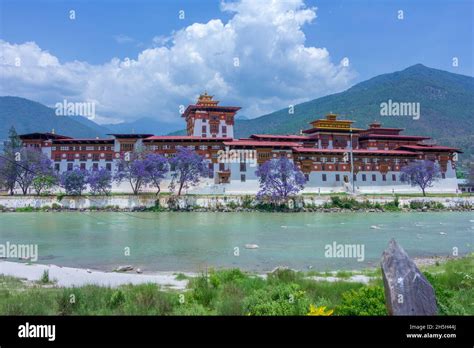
282,299
45,277
203,292
364,301
231,300
117,299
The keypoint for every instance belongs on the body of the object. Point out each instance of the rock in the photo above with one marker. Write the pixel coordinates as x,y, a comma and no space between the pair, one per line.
407,291
374,227
88,270
124,268
139,271
251,246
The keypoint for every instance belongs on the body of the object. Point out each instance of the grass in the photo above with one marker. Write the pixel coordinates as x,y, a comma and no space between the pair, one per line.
233,292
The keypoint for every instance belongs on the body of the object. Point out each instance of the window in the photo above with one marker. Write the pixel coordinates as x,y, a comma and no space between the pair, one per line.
355,177
83,157
306,176
202,147
364,177
124,147
69,166
443,175
56,167
95,157
214,128
394,177
70,157
83,166
211,170
108,166
221,167
324,177
374,177
242,177
95,166
337,177
224,129
384,177
243,167
108,157
57,157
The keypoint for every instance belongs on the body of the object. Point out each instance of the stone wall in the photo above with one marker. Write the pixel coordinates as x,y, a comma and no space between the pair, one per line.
204,201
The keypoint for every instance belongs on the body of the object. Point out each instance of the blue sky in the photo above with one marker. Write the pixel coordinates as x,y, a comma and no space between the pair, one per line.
173,59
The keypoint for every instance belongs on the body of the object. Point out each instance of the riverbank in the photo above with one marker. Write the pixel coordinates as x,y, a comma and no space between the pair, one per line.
222,203
228,292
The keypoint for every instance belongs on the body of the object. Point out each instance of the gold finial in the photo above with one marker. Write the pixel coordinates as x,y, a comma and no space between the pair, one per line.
52,131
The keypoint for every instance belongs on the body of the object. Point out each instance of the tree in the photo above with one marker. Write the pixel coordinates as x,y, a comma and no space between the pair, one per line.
46,177
279,179
133,168
187,167
421,173
100,181
8,165
30,163
74,181
156,167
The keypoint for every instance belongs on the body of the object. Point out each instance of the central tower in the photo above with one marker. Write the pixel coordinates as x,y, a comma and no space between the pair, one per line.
207,119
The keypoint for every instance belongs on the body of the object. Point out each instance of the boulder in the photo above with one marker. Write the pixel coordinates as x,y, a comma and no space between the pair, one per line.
407,291
124,268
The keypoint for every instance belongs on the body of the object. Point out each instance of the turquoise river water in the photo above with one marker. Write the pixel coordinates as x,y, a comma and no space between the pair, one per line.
195,241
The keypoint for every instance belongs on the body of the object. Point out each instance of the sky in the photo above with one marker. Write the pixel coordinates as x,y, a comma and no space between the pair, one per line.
140,58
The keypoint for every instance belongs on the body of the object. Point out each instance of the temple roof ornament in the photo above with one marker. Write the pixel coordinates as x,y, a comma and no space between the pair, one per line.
206,100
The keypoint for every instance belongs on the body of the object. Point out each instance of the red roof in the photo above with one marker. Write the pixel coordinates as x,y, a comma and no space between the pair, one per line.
356,151
395,136
185,137
261,143
275,136
430,148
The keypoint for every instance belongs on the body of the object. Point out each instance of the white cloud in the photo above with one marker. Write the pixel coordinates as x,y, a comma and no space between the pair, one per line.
275,67
123,39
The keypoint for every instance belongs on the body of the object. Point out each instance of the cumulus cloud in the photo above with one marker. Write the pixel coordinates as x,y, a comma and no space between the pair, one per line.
258,60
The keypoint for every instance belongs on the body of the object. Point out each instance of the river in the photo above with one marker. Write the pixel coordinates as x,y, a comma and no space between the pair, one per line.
177,241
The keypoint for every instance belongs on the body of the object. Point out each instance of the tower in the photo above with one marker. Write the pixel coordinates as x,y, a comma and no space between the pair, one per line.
207,119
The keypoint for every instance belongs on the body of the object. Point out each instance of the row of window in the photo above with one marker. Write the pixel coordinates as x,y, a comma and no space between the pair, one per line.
70,166
363,177
82,148
191,147
335,159
83,157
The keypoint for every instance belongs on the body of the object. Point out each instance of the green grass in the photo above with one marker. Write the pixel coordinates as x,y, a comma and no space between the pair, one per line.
233,292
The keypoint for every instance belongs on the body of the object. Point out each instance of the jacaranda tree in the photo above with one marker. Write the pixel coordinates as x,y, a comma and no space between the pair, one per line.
156,167
187,168
279,179
100,181
421,173
74,181
31,163
133,169
45,176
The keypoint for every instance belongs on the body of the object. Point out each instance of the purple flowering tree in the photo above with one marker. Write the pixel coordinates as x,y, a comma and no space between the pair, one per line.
279,179
45,176
74,181
187,168
156,167
133,169
30,163
421,173
8,172
100,181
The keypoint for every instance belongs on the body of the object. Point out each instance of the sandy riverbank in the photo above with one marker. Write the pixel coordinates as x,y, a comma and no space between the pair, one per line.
67,276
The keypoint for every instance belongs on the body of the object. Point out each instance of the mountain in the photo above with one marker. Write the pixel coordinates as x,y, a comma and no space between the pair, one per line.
446,107
28,116
143,125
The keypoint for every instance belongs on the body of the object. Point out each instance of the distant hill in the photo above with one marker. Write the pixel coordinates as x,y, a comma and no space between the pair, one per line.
446,102
28,116
143,125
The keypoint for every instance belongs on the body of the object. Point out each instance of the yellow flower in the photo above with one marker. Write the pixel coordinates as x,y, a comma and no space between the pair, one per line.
319,311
